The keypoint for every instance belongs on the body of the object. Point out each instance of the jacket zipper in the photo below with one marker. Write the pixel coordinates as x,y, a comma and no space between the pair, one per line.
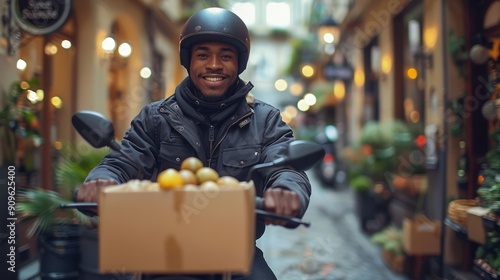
211,137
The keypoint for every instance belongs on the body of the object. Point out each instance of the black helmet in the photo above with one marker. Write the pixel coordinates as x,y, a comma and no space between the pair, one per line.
215,24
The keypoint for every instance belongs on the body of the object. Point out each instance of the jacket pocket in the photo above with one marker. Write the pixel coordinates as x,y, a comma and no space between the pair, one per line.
172,154
238,161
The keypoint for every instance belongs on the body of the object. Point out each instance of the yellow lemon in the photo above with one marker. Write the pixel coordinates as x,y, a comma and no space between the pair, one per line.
205,174
188,177
169,179
192,164
227,181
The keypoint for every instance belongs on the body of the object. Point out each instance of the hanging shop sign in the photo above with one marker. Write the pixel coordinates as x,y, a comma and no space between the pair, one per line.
334,72
41,17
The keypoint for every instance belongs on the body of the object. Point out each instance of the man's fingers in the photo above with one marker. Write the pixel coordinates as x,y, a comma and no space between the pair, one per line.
283,202
89,191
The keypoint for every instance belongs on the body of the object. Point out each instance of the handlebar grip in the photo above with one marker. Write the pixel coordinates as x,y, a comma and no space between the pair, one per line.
75,195
259,203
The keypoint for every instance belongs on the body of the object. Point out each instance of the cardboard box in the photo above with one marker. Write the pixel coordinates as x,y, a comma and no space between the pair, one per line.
475,229
177,231
421,236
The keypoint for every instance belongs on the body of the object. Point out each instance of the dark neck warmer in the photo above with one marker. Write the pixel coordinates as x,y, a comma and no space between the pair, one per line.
210,110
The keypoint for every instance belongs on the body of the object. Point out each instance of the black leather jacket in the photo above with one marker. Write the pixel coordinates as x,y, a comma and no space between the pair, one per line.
161,137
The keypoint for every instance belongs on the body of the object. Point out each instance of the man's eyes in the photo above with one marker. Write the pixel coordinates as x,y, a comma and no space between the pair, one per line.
224,56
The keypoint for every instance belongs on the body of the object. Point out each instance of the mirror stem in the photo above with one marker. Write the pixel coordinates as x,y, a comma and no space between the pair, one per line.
264,165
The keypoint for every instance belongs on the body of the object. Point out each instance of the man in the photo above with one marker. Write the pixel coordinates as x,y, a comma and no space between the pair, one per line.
212,116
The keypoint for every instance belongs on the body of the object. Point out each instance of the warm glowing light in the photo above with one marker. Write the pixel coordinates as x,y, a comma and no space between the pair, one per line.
339,90
430,37
307,71
24,85
480,179
386,64
58,145
310,99
412,73
31,96
280,85
21,64
328,38
415,116
286,117
296,88
108,45
291,111
56,101
40,94
302,105
145,72
125,50
66,44
359,78
50,49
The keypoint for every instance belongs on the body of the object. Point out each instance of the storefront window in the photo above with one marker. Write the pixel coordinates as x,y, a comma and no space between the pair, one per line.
413,67
372,66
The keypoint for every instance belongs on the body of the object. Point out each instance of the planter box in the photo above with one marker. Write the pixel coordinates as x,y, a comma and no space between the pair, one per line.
421,236
395,263
177,231
476,230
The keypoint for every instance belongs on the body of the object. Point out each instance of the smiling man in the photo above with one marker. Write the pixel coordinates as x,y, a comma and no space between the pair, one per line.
213,68
212,116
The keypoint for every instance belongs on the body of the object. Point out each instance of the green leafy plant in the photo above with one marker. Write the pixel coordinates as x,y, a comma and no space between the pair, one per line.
490,251
42,206
18,122
74,165
361,183
490,188
391,239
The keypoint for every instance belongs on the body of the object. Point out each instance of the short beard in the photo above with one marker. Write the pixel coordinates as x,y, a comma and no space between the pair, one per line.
206,98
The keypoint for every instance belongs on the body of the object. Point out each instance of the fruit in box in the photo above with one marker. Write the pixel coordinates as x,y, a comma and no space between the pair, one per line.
193,175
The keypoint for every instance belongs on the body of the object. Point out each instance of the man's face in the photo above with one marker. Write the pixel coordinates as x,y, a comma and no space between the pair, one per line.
214,67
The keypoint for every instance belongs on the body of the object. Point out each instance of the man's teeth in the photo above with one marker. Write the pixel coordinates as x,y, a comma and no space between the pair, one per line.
213,79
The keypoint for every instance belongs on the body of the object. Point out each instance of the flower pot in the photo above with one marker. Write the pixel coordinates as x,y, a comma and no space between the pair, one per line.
89,264
59,253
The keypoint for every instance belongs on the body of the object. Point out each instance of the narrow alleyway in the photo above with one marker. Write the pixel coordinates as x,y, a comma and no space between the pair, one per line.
332,248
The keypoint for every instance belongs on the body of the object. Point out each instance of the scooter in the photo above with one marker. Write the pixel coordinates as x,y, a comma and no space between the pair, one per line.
98,131
327,168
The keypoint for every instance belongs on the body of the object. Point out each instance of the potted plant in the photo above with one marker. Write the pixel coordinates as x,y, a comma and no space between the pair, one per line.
57,230
487,256
19,127
390,239
489,191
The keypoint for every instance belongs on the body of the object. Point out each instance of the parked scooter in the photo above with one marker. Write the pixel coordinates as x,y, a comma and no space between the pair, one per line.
98,131
327,168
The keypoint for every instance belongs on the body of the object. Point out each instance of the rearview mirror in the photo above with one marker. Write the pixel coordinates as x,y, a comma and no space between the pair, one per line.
95,128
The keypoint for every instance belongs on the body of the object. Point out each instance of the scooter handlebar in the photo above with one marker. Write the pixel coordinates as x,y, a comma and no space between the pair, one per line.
88,208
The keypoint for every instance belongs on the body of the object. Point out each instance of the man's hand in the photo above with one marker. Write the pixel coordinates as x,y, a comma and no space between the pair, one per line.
283,202
89,191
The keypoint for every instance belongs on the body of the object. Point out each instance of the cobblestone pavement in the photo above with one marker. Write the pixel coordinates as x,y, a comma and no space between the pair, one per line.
334,247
